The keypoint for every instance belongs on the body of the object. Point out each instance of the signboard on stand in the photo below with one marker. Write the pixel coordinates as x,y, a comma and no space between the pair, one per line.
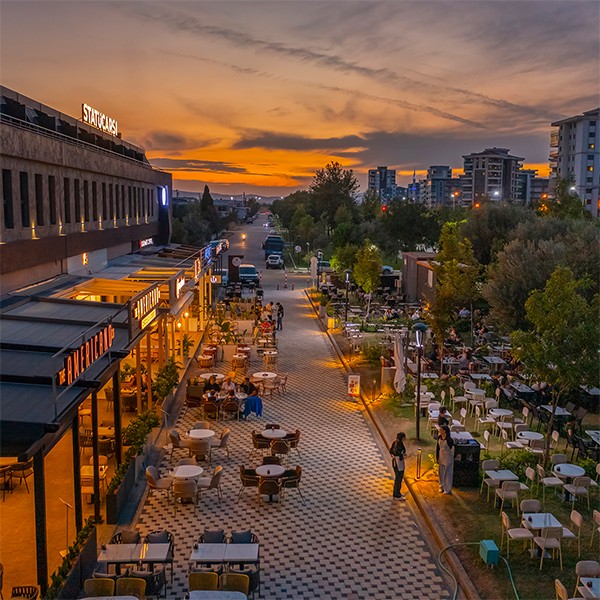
313,267
354,386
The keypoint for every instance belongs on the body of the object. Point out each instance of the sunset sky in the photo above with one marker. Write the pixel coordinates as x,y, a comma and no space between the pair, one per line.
255,96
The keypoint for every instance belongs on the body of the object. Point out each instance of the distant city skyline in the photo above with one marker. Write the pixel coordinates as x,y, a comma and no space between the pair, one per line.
254,97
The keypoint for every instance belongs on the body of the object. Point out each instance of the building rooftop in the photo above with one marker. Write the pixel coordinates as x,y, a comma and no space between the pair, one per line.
595,112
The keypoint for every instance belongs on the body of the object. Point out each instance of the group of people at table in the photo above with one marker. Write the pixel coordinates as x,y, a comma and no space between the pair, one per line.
245,394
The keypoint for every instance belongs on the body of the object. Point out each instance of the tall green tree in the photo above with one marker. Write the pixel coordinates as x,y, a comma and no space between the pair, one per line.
565,203
370,207
367,270
526,263
331,188
561,348
344,257
456,270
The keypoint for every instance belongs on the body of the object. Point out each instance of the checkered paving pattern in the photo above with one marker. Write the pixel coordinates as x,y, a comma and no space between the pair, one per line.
351,539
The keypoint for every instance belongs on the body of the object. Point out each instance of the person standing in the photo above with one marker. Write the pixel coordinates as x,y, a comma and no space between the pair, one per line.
398,452
445,458
280,312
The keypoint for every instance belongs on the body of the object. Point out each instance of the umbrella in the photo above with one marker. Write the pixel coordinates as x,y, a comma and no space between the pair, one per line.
400,376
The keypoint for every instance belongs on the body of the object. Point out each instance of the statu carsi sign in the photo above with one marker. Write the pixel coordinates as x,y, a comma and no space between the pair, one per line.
79,360
98,119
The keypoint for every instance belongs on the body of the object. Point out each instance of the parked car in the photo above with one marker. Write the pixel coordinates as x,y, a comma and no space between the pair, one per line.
275,261
387,270
249,275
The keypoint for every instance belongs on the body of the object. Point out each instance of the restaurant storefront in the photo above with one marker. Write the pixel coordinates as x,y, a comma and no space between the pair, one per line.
77,364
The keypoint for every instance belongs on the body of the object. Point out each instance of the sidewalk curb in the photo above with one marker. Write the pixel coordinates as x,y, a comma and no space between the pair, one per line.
464,582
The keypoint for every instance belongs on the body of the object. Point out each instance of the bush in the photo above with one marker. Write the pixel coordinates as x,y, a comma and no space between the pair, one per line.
371,352
517,461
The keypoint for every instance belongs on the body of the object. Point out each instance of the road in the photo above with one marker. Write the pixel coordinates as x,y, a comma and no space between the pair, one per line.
350,539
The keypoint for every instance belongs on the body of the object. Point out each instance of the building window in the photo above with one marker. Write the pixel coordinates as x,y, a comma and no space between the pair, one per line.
52,198
7,196
152,203
590,157
104,214
39,199
67,199
591,146
94,201
130,203
590,168
111,200
117,202
123,202
77,201
86,200
24,191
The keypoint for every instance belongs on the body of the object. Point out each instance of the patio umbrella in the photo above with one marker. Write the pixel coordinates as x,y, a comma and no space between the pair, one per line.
400,376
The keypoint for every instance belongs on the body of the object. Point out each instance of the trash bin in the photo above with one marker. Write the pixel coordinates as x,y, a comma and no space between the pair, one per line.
466,463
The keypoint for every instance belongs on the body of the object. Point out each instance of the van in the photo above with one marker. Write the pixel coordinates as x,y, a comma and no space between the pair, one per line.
248,275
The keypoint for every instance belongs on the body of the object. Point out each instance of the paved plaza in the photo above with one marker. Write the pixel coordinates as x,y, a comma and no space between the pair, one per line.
350,539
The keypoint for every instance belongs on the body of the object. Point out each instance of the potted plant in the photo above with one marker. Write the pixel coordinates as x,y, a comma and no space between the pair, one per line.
186,344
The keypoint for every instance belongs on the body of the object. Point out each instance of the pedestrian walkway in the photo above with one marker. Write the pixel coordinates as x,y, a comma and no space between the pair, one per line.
351,539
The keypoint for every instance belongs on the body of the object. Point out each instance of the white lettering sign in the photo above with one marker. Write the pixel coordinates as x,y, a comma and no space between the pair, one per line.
97,119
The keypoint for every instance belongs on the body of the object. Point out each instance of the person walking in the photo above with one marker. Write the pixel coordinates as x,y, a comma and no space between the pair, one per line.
445,458
398,452
280,312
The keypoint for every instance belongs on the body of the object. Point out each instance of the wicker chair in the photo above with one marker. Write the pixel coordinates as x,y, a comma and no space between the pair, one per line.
249,478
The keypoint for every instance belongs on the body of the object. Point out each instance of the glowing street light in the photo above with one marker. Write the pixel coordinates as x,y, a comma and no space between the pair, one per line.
419,329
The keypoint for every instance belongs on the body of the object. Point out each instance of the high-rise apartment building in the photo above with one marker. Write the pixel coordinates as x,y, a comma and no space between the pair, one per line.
435,189
531,187
383,181
491,174
575,152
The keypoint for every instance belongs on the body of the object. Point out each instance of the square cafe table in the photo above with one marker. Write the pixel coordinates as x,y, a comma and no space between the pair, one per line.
590,587
560,412
502,475
595,435
537,521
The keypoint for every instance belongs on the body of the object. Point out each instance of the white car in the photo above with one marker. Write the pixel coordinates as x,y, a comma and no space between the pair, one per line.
274,261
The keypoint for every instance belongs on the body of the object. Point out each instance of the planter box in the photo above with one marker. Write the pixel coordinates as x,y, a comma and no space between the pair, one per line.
116,502
82,569
228,352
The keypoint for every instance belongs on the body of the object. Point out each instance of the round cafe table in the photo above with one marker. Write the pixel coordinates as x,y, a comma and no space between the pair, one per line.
270,470
265,375
274,434
568,472
187,472
500,412
240,356
201,434
529,435
207,376
270,353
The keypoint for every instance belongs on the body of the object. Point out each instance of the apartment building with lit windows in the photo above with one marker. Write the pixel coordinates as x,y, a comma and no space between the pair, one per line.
74,195
575,152
491,175
383,181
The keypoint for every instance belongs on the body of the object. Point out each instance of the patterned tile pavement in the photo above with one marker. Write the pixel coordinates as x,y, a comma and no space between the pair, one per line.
351,539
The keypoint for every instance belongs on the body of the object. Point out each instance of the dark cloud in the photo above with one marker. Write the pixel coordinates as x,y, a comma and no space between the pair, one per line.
208,166
281,141
171,140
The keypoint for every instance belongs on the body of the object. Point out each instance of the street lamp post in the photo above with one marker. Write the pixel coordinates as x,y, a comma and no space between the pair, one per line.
419,329
347,286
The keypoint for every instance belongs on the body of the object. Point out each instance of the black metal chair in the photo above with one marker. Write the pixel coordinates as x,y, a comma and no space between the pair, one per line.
164,537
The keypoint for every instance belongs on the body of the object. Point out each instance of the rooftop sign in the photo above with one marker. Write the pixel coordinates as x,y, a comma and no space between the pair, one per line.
99,120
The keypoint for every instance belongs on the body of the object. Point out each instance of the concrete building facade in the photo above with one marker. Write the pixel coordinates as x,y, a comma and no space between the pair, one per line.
383,181
73,196
575,153
491,174
435,189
